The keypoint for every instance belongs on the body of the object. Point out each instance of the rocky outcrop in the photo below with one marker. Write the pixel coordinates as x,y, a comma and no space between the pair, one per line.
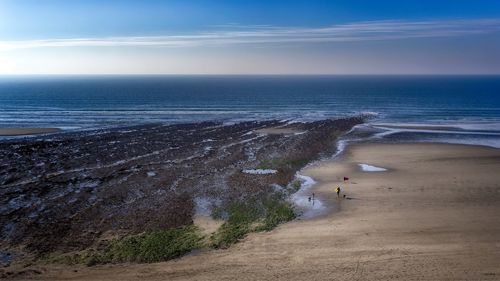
65,192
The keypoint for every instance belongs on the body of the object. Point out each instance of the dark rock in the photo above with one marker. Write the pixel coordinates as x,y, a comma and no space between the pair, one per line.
96,182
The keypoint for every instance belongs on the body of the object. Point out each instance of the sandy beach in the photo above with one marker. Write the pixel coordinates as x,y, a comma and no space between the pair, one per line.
433,215
26,131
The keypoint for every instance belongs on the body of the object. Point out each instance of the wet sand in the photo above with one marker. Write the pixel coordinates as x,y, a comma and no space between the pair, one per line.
434,215
27,131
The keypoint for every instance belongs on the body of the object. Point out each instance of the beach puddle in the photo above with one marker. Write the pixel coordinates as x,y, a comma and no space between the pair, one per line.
303,199
370,168
259,171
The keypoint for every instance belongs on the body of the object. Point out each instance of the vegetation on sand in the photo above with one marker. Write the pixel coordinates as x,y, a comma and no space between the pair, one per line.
154,246
255,215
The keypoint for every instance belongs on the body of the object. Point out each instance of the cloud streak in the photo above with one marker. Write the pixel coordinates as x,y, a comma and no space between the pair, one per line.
263,34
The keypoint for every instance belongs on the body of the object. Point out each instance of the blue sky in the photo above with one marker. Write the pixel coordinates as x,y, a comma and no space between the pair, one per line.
249,37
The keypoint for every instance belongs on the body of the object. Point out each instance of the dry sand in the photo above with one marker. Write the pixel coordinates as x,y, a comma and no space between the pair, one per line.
26,131
434,215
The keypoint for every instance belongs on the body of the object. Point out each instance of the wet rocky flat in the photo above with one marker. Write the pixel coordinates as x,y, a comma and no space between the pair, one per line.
66,191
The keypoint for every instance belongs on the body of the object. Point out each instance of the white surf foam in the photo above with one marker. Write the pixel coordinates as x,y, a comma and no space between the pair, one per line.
470,134
344,141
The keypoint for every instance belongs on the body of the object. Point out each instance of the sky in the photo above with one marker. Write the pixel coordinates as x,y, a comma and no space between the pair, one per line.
249,37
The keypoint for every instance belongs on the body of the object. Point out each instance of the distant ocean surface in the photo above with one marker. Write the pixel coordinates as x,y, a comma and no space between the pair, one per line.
462,109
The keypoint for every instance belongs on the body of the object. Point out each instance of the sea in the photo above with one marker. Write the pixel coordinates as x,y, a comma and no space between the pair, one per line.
451,109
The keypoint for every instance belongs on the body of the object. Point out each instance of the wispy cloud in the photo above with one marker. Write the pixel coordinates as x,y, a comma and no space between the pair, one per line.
264,34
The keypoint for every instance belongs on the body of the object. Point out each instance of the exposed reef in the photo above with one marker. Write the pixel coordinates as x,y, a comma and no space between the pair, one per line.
68,191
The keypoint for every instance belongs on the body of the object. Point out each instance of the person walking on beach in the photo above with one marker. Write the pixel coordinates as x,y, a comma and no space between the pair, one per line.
338,191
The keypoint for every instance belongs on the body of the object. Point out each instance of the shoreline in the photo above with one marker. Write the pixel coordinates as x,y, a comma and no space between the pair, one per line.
11,132
367,132
432,215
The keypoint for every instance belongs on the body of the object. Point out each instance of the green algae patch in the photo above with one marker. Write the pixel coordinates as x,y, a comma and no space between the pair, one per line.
243,218
155,246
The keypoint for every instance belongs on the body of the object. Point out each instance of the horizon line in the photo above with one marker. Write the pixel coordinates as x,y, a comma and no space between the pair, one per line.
253,74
